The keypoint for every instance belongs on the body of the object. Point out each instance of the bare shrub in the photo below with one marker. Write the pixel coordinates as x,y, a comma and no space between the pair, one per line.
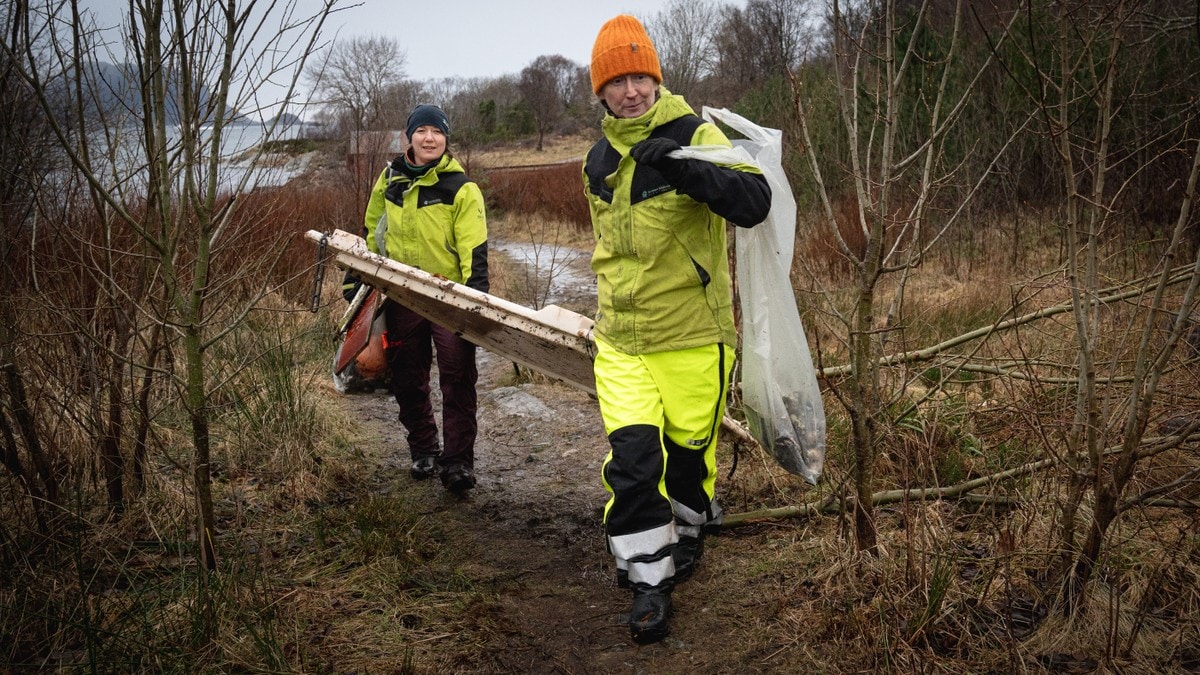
552,190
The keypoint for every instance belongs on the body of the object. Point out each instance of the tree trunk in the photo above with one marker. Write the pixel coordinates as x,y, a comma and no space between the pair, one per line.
29,434
863,427
145,386
110,441
201,448
12,461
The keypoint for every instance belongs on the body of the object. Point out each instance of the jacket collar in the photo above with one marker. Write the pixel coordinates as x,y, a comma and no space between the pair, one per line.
624,132
446,164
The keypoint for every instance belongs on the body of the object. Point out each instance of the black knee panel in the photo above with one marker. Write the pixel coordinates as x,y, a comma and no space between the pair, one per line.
633,473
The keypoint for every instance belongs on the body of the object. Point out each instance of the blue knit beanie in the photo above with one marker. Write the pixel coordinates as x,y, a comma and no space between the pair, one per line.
426,114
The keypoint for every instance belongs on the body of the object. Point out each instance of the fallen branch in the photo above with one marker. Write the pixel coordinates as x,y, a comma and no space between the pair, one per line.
1106,296
1152,496
832,505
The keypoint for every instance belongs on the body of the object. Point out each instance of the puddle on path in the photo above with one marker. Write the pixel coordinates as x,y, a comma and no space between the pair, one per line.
555,275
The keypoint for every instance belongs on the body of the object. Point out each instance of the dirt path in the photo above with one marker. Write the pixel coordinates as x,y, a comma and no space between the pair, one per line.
530,535
529,538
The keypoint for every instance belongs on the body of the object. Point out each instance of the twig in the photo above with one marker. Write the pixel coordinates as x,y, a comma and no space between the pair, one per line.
1149,497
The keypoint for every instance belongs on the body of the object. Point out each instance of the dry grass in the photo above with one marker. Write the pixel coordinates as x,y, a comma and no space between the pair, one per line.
327,566
540,230
521,182
994,567
555,149
551,190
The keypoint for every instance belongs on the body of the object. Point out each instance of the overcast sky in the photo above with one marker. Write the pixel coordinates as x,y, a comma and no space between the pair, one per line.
464,38
487,38
458,38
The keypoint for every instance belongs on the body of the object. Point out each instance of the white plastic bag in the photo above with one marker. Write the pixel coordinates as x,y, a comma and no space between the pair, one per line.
780,393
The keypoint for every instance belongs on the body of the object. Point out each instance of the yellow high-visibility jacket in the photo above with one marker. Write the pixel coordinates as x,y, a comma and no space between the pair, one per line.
661,263
435,222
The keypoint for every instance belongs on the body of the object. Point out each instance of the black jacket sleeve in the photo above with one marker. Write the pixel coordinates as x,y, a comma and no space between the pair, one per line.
739,197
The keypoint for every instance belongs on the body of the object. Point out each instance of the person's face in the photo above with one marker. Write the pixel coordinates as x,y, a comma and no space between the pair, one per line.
428,143
630,95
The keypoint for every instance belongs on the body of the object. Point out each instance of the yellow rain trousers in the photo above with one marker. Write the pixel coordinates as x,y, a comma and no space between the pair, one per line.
662,412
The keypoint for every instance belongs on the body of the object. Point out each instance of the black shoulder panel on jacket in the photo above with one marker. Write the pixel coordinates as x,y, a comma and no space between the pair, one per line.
443,191
648,182
601,161
679,130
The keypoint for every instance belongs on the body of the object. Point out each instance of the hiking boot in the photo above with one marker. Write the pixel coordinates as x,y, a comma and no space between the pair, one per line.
458,480
423,467
649,613
686,555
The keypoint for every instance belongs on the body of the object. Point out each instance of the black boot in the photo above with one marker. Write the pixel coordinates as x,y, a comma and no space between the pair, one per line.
649,613
423,467
458,480
686,555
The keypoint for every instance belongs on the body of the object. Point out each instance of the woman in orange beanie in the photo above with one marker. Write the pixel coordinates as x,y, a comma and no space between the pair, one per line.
664,329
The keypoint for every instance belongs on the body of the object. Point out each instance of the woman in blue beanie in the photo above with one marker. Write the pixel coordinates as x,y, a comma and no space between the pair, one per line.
426,213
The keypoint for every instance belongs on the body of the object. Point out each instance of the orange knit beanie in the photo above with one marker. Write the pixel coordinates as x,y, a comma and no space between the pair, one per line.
623,48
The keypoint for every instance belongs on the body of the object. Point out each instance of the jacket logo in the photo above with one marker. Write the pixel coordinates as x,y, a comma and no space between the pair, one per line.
646,194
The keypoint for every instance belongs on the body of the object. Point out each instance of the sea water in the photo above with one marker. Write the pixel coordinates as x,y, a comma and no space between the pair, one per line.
119,158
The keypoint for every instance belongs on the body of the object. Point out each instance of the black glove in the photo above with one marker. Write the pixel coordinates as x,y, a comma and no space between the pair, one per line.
653,152
350,286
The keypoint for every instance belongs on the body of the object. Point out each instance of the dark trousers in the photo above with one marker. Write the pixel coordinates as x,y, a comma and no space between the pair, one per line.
412,340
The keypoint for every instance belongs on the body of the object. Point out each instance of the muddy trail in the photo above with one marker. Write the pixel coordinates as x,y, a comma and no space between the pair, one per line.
529,541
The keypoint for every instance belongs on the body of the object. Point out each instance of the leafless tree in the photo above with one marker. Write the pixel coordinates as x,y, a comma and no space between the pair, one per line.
684,33
583,110
27,153
1098,403
357,79
547,86
895,182
768,38
157,251
1113,404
